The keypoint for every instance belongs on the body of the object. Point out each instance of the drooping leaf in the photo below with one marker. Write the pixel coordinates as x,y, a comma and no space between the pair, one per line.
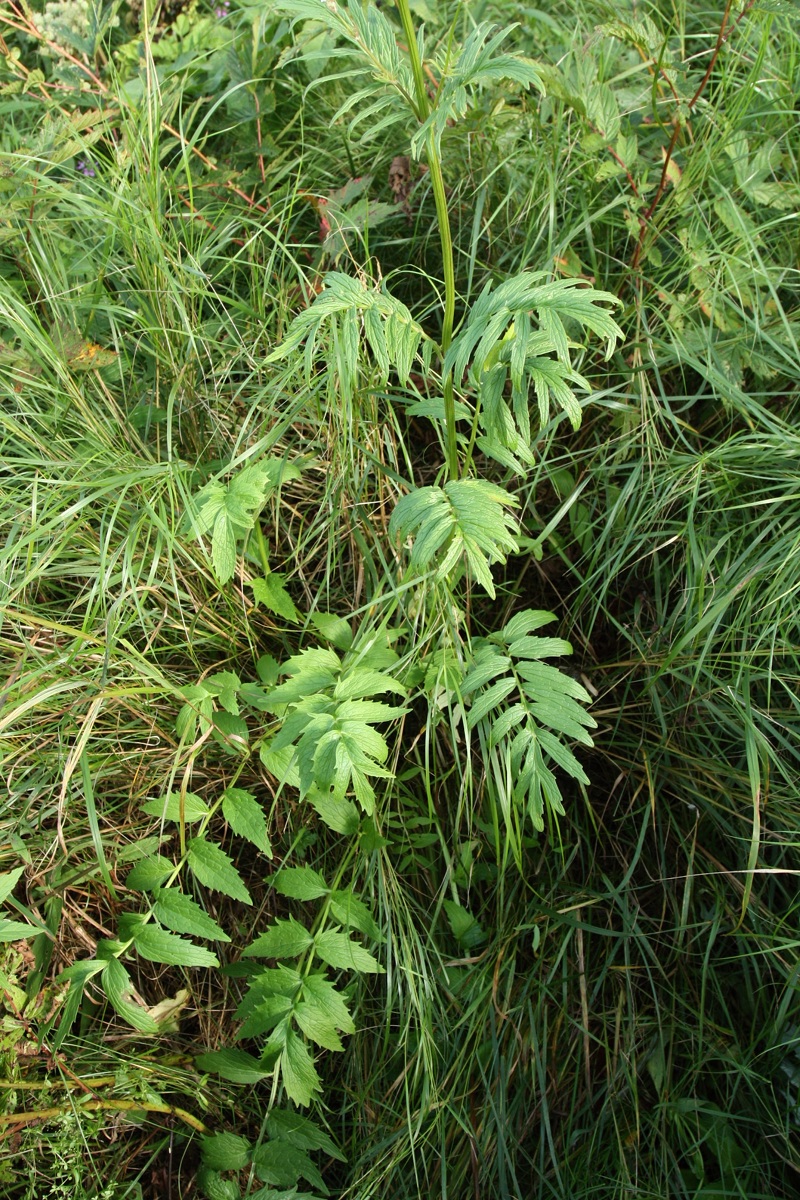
522,708
117,986
466,520
340,304
297,1071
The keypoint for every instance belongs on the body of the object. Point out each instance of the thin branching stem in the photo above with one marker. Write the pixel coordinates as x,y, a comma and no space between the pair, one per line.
445,235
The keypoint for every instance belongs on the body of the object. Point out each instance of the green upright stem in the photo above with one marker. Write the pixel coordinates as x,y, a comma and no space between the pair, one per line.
445,236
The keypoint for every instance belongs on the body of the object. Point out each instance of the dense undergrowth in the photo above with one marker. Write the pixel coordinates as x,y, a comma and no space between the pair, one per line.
399,447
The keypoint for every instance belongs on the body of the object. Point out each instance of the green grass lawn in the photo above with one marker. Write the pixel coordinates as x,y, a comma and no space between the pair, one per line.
399,600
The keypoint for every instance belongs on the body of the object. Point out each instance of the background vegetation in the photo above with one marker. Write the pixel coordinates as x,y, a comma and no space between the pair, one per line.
604,1006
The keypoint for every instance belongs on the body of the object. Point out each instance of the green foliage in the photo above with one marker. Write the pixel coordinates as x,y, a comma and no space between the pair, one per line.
512,694
466,519
228,512
344,348
348,310
328,718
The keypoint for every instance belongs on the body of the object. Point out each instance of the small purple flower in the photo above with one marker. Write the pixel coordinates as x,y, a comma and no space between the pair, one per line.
222,9
85,168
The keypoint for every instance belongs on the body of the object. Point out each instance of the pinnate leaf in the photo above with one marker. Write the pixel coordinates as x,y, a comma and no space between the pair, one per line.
466,519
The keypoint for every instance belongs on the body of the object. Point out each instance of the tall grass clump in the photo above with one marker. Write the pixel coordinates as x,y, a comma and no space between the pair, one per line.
399,599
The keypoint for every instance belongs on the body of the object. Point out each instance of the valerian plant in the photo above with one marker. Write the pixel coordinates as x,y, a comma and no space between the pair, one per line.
320,719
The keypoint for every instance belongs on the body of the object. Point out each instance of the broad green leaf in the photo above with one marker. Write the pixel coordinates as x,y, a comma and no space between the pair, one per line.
117,986
339,814
490,699
225,1152
8,881
223,548
334,629
300,883
315,1025
484,672
319,990
16,931
525,622
284,1165
338,950
354,914
213,868
246,817
231,733
272,593
297,1071
262,1018
212,1186
225,685
539,647
466,929
161,947
149,873
284,939
169,808
235,1065
360,682
182,914
284,1126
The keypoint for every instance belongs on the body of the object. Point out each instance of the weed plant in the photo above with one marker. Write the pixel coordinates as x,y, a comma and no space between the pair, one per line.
399,600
